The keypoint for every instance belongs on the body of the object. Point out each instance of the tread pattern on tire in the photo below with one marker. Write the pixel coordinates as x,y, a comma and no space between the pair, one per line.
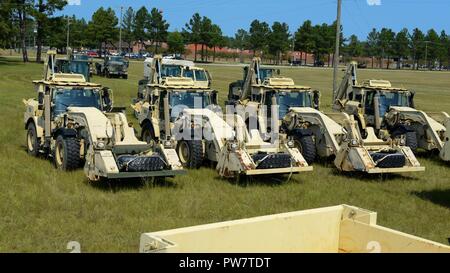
196,153
35,151
411,141
308,148
71,153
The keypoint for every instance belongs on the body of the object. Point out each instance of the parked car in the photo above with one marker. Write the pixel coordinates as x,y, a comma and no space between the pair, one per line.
92,54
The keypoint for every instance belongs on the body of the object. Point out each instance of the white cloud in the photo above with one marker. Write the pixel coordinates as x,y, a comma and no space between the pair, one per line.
74,2
374,2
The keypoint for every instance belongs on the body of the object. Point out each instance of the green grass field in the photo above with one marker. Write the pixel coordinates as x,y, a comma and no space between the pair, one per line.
42,209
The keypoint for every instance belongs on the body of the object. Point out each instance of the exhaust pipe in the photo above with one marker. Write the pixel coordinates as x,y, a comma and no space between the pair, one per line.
166,116
377,112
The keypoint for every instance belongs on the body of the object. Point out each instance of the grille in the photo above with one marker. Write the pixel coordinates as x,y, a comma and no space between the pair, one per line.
388,160
131,163
272,161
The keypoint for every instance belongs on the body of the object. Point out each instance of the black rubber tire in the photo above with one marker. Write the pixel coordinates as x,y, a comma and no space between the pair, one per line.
125,77
70,153
307,147
411,141
148,133
194,156
32,140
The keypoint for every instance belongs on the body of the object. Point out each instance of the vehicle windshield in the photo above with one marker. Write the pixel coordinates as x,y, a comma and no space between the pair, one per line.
116,59
171,71
288,100
200,75
388,99
78,97
81,57
190,99
265,73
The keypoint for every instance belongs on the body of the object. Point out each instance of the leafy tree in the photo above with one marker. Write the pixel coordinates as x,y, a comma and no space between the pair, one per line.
102,27
401,46
43,9
386,43
258,35
372,44
241,41
157,28
417,46
140,25
175,42
433,49
443,54
354,47
128,27
217,39
192,31
278,41
205,35
304,38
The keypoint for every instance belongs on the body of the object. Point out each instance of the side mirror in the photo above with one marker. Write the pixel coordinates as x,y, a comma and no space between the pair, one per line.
411,99
40,100
214,97
316,99
107,99
278,72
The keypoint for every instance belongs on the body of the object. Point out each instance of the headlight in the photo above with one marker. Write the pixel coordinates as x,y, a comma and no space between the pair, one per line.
100,145
402,142
234,146
291,144
354,142
168,144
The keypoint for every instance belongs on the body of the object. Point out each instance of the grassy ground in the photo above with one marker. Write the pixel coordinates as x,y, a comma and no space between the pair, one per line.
43,209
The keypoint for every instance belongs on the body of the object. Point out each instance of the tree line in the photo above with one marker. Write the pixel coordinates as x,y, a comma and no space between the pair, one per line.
22,19
429,49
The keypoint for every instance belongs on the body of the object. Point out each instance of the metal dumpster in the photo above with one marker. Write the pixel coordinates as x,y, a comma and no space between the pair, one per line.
338,229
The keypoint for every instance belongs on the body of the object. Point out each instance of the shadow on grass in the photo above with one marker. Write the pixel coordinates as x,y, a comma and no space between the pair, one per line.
10,61
262,180
117,185
438,197
372,178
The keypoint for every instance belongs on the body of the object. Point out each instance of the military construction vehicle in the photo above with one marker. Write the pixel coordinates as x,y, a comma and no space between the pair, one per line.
74,63
172,68
74,122
391,112
113,67
269,100
177,109
338,229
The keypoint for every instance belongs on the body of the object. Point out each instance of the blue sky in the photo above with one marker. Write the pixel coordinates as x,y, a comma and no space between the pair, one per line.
359,16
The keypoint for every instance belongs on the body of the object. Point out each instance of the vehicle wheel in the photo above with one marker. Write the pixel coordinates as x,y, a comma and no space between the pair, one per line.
190,153
148,134
107,74
306,146
125,77
32,140
67,153
411,141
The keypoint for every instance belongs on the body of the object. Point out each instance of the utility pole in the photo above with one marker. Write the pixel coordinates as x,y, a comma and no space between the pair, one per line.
120,31
336,52
68,34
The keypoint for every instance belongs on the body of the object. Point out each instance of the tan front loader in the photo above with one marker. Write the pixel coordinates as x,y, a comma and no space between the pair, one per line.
373,155
113,151
339,229
337,134
445,152
240,152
